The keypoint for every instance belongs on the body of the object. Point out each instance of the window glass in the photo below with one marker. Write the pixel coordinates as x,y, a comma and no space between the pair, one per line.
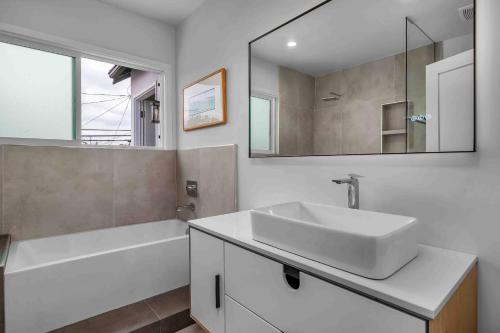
120,105
261,122
37,98
106,107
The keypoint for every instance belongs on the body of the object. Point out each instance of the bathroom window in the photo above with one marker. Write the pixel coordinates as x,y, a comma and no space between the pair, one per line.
263,122
37,97
55,96
119,105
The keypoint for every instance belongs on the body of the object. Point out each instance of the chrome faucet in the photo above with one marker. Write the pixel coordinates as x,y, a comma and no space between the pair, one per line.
186,208
352,191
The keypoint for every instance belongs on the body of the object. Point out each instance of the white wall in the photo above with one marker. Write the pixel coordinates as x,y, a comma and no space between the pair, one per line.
456,196
100,29
96,23
265,77
457,45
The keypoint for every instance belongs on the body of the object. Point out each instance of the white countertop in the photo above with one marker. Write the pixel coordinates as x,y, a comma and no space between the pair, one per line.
422,287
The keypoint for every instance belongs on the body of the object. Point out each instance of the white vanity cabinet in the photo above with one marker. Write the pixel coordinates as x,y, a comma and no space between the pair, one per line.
241,320
296,302
207,280
257,294
268,290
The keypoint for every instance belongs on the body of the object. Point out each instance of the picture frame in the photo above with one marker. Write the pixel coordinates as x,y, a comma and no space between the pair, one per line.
204,102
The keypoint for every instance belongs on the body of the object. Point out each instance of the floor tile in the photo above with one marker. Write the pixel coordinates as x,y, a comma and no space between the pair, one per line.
192,329
136,317
170,303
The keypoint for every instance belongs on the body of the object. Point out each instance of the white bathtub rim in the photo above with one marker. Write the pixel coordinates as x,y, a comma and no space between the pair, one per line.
136,225
9,271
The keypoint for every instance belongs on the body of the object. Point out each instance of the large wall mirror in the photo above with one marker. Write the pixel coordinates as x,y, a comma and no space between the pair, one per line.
365,77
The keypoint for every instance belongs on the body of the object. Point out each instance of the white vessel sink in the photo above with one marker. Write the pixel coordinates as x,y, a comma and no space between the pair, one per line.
370,244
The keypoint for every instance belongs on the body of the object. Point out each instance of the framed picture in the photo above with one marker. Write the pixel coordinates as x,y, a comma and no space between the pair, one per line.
205,101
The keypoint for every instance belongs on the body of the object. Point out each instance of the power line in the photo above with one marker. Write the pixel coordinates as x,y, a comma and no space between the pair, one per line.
105,129
123,115
103,101
111,108
103,94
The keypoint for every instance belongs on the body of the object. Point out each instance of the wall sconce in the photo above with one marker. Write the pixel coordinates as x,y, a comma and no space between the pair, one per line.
156,112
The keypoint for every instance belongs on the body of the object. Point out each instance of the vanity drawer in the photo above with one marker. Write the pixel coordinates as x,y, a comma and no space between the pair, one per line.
259,284
241,320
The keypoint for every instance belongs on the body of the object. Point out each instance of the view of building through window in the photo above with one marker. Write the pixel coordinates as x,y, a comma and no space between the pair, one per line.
106,107
119,105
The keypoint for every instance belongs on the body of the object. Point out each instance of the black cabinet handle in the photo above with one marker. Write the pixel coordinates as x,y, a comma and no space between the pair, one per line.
292,276
217,291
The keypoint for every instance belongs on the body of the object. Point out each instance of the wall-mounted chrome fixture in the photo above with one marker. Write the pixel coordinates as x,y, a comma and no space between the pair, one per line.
333,97
186,208
352,191
192,188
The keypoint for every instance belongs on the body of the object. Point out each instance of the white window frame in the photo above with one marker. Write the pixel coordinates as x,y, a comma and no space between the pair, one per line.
136,106
45,42
274,121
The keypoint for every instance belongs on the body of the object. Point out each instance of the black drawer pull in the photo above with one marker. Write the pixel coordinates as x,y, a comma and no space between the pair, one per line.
217,291
292,276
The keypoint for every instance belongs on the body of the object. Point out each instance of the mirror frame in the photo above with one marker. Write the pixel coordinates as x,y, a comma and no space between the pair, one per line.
406,92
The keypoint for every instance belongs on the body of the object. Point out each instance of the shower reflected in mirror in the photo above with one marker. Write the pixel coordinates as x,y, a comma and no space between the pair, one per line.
365,77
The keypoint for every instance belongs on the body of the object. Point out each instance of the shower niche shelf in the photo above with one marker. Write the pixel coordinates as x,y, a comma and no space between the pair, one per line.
394,132
393,127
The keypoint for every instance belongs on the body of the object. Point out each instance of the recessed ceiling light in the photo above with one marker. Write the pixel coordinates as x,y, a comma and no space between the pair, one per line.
291,44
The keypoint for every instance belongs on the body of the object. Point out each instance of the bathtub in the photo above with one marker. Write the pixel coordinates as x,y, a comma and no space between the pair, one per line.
55,281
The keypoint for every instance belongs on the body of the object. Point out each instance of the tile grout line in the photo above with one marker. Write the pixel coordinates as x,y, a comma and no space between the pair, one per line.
2,183
176,171
152,310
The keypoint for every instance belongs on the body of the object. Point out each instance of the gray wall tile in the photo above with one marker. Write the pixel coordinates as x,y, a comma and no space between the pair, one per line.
350,125
288,129
57,190
217,181
144,185
52,190
188,168
327,134
296,105
364,89
418,59
215,170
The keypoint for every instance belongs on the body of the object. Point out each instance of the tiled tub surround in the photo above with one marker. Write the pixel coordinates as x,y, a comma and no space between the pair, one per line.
214,168
55,281
52,197
49,191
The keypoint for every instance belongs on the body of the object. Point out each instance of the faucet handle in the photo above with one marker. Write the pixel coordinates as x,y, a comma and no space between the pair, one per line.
355,176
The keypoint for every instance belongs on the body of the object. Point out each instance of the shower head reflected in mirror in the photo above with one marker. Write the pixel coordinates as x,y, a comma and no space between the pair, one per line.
333,97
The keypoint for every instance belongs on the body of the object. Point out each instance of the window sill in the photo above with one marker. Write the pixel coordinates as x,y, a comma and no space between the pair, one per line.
68,144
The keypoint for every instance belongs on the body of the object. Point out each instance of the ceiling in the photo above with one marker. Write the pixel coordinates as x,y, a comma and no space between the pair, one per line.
346,33
168,11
